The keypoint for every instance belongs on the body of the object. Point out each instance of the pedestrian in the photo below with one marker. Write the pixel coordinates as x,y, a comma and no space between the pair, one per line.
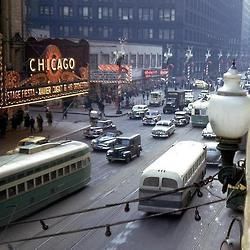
39,121
32,124
49,117
65,112
26,120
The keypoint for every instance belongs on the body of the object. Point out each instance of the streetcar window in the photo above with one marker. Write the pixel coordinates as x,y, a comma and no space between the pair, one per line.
30,184
20,188
60,172
79,164
53,175
12,191
151,181
169,183
2,182
38,180
66,170
45,178
3,195
73,167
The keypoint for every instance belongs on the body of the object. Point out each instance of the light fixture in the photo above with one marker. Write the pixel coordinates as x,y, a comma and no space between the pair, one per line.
228,113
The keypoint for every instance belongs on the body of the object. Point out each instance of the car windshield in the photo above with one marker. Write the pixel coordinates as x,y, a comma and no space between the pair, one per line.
152,113
165,124
123,142
109,134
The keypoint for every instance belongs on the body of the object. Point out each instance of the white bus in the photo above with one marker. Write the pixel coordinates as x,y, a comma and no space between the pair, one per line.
199,113
183,164
41,174
156,98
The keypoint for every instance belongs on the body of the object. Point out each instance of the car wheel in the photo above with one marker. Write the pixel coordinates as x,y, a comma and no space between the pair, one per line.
128,159
110,160
138,153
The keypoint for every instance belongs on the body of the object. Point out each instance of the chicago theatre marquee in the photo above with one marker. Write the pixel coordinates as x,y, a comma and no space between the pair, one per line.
54,69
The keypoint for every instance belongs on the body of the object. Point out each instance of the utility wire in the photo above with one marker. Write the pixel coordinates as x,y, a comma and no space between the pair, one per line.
113,224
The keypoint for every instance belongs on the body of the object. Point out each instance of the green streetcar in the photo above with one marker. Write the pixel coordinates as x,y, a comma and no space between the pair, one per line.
199,115
40,174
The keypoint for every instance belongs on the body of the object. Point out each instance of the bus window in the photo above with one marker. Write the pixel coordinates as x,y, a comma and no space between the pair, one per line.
45,178
60,172
53,175
169,183
73,167
197,112
30,184
3,195
38,180
66,170
20,188
79,164
151,182
12,191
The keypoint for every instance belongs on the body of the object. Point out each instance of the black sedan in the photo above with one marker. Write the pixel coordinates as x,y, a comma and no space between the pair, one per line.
105,141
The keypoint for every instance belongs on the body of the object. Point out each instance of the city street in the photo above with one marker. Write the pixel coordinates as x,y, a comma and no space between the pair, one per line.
118,182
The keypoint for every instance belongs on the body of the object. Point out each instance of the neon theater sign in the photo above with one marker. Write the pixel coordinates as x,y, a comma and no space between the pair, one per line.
52,77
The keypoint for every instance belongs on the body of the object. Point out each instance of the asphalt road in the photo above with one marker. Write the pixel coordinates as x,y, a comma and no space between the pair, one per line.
116,182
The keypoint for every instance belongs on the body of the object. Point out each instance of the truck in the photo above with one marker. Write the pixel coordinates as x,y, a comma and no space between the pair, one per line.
175,101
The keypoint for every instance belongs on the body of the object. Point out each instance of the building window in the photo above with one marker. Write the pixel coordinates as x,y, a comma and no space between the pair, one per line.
140,61
166,34
147,61
46,10
159,58
167,15
145,14
85,31
125,13
133,60
105,32
104,58
93,61
105,13
153,61
65,30
145,33
125,32
85,12
65,11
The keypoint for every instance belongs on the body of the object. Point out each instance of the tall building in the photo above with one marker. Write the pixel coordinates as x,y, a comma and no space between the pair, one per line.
206,28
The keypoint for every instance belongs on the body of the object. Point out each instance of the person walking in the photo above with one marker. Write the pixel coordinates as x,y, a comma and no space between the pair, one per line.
26,120
49,117
65,112
32,124
39,121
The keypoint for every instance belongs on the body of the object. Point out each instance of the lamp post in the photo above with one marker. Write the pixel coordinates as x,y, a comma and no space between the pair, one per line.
228,113
119,57
188,56
207,55
167,55
219,59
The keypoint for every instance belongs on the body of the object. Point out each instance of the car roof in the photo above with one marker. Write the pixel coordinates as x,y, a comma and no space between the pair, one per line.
212,144
163,122
127,137
33,139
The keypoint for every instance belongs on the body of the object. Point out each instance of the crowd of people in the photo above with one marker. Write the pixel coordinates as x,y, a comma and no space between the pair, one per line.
21,118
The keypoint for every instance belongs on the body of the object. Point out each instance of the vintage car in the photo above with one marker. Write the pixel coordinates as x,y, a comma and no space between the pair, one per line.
105,141
213,154
99,128
138,111
208,132
181,118
151,117
38,140
163,129
125,148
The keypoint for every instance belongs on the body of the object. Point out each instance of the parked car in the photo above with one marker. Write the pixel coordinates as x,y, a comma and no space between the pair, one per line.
105,141
181,118
208,132
213,154
203,94
138,111
163,128
38,140
99,128
125,148
151,117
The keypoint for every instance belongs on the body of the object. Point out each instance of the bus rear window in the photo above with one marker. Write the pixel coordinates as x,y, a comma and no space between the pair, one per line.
169,183
151,182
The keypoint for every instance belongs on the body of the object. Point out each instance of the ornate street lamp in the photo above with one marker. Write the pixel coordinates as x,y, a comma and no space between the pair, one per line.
119,57
167,55
188,56
228,113
207,55
219,59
